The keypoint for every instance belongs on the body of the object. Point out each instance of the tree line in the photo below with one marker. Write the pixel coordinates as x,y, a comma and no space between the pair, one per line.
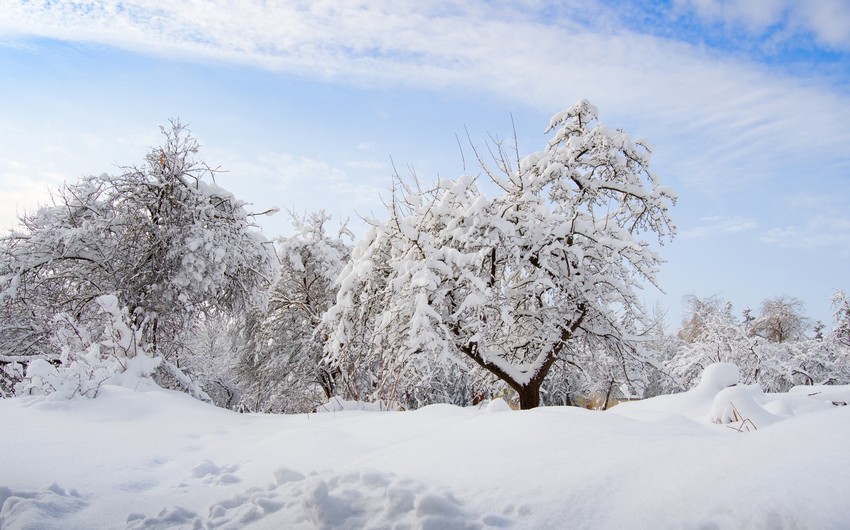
457,296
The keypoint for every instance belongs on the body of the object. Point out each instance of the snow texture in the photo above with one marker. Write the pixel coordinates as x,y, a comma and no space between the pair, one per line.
336,404
716,456
39,508
352,500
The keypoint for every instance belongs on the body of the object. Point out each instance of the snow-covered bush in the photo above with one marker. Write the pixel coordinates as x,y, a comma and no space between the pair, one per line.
90,355
163,238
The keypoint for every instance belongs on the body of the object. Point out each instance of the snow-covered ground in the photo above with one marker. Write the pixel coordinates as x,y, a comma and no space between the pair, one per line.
148,458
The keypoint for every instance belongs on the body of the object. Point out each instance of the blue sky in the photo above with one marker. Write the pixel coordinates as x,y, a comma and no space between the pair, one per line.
308,104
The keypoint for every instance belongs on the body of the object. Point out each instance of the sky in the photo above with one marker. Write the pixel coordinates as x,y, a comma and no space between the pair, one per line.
309,105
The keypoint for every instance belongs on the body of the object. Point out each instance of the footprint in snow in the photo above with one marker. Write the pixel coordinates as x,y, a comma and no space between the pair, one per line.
214,474
45,508
366,499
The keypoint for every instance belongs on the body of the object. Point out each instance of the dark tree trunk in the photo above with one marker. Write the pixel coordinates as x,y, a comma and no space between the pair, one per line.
327,380
529,395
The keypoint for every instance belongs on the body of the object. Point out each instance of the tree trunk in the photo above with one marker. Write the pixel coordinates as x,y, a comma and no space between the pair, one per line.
326,378
608,395
529,395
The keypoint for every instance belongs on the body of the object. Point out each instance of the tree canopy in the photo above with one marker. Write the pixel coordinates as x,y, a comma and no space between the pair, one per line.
510,282
163,238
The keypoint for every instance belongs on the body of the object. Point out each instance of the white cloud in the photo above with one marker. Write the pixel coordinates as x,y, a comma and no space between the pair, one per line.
756,15
301,183
729,117
713,225
828,21
371,165
38,158
819,231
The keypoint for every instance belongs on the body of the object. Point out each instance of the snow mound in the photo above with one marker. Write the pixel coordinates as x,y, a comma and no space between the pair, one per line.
336,404
45,508
720,399
747,407
838,395
213,474
742,405
498,405
718,376
695,403
351,500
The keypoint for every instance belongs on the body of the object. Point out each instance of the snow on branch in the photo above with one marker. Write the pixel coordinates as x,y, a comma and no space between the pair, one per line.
510,282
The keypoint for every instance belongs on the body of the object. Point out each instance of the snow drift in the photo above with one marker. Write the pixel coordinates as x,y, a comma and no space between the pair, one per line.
150,458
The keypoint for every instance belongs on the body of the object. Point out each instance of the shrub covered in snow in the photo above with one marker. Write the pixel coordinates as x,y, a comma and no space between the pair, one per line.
162,239
105,351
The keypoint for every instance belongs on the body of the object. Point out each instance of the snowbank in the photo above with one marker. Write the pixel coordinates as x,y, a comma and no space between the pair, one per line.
337,404
720,399
160,459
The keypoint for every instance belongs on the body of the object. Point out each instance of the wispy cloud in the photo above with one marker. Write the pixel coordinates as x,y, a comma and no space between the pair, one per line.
302,183
714,225
26,181
368,164
834,201
827,21
729,117
817,232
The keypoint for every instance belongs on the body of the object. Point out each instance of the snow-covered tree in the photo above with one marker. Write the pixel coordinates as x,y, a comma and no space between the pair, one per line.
663,379
163,238
210,358
781,320
710,334
280,364
825,359
769,350
508,284
704,317
841,317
